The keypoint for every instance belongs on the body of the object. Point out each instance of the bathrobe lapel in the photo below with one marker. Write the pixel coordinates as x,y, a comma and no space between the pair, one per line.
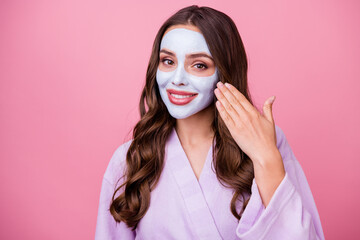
196,194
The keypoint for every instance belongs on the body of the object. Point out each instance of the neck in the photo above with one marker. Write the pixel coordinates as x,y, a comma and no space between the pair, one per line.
196,128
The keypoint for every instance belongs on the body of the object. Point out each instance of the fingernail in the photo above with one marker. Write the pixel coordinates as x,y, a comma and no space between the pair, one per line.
220,84
272,99
218,104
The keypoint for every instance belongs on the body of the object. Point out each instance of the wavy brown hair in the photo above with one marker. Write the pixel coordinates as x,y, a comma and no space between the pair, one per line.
145,156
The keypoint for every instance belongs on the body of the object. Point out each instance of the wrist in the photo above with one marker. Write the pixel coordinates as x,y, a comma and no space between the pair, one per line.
269,172
268,161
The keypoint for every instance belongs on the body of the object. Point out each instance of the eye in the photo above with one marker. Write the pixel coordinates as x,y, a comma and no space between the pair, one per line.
167,61
201,66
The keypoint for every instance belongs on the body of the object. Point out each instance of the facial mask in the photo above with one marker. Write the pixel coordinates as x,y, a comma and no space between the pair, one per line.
183,41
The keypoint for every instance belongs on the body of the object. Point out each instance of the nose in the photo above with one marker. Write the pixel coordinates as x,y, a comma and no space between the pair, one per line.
180,76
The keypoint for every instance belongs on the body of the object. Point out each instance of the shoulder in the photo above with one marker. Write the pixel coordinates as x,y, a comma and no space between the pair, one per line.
117,164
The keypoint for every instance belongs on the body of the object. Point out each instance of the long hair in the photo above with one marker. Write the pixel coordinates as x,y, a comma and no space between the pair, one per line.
145,156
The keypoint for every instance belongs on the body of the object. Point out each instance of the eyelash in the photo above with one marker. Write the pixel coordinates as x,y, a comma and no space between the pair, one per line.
165,59
203,65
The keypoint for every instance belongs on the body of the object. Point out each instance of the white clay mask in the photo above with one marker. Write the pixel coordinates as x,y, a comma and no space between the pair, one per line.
183,88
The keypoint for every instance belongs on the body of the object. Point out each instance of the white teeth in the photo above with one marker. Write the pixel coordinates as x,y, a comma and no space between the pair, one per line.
181,96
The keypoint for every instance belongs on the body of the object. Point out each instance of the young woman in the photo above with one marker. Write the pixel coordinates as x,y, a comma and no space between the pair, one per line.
204,163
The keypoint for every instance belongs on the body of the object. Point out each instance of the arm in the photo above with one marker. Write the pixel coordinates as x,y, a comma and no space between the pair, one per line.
106,226
255,134
291,212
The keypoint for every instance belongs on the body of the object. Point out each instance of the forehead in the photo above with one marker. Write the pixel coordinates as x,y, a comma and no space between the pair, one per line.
181,41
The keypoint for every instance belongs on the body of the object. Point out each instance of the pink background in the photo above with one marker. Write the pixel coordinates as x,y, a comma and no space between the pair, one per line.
71,74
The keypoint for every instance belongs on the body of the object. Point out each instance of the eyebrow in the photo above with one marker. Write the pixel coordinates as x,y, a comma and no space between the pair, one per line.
195,55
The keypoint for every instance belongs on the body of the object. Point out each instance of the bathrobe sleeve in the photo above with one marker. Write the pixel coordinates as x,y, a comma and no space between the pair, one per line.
106,226
291,212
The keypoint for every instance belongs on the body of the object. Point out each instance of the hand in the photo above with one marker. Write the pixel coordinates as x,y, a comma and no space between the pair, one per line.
256,136
253,132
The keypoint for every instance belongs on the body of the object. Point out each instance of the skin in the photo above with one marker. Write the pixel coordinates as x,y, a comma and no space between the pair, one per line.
255,134
194,132
185,66
253,131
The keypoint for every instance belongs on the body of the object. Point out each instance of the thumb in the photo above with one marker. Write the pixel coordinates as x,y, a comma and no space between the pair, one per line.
267,109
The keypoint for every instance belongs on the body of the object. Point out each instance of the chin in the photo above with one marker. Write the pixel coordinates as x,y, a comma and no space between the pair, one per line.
199,113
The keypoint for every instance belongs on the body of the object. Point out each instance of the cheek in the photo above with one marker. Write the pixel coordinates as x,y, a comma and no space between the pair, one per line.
205,85
162,78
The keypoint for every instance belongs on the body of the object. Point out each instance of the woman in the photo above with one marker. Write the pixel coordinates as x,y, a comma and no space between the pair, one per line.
197,167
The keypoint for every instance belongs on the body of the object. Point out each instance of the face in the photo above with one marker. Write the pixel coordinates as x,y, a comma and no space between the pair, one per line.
187,74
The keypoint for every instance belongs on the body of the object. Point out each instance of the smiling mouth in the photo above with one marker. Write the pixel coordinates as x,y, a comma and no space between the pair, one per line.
180,97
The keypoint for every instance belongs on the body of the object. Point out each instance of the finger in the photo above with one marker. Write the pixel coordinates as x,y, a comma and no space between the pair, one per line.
241,98
267,109
226,105
229,122
231,99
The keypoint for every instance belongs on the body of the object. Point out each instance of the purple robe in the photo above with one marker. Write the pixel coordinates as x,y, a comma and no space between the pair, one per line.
182,207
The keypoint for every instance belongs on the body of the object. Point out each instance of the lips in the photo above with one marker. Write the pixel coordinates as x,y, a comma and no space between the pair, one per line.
180,97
